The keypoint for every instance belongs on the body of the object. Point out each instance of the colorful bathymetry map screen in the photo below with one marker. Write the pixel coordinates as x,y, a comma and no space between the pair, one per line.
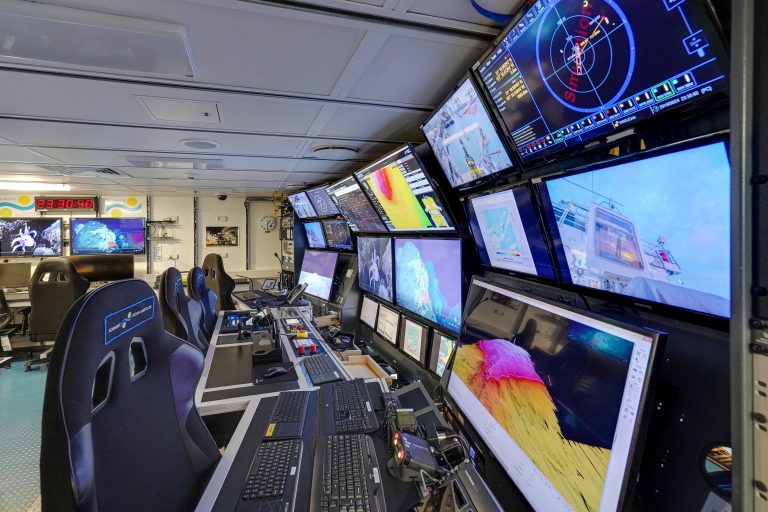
317,271
428,279
107,236
464,139
402,194
556,395
30,237
374,260
315,236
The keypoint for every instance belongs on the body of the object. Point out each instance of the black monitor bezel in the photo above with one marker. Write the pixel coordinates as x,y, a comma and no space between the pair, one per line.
333,275
12,256
645,405
675,312
309,244
498,129
426,339
72,220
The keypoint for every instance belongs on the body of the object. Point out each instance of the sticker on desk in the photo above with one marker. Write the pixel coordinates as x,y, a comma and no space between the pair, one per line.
270,429
6,342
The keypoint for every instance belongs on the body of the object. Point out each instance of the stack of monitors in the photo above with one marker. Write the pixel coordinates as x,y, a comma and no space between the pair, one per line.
302,206
568,72
641,230
107,236
315,238
401,193
375,267
337,235
351,201
36,236
388,323
558,396
508,234
322,203
369,312
464,139
317,272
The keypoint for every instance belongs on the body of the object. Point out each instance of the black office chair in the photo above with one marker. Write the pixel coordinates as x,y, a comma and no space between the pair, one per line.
182,316
120,430
7,327
54,287
217,280
199,292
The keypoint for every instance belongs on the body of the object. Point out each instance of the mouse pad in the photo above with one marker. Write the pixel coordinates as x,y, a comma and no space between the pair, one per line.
260,369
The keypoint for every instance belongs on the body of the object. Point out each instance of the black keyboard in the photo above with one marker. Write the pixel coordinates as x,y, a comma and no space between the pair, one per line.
351,479
272,479
352,409
321,369
287,420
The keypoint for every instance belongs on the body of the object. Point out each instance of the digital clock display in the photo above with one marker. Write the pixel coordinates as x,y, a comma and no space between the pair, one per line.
65,203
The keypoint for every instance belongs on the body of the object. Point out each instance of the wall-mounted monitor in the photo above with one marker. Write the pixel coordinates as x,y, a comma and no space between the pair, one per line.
315,238
464,139
107,236
317,271
414,338
375,269
355,207
320,199
656,229
442,349
302,206
402,194
428,279
337,235
568,72
369,311
33,236
387,324
508,233
558,397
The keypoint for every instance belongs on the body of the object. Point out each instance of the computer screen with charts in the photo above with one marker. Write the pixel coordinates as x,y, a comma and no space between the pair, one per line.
355,206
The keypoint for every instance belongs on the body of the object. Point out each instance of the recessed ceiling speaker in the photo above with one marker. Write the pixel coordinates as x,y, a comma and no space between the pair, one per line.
200,144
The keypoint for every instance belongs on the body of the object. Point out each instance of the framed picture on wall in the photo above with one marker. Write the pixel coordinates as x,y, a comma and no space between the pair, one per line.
216,236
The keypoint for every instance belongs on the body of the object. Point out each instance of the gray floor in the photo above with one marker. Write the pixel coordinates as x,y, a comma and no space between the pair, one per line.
21,405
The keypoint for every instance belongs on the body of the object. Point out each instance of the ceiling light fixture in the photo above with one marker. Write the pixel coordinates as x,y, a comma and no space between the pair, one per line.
200,143
36,186
335,152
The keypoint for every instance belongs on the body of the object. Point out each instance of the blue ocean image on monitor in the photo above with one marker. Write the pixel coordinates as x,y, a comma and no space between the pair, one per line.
374,259
657,229
107,236
428,279
315,237
464,139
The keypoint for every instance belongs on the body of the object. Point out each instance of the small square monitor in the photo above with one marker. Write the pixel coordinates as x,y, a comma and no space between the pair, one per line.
320,199
387,324
374,261
302,206
317,271
269,284
442,348
337,235
414,339
315,237
369,311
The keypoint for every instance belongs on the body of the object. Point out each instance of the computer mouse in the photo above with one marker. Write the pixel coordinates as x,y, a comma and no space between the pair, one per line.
275,371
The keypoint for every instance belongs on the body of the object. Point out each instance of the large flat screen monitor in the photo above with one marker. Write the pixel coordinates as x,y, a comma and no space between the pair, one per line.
402,194
442,349
320,199
317,270
414,338
464,139
656,229
369,311
558,397
508,234
315,237
355,207
428,279
568,72
387,324
337,235
302,206
375,269
107,236
34,236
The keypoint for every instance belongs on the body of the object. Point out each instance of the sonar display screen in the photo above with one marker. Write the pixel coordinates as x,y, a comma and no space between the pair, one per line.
107,236
355,207
464,139
337,234
568,72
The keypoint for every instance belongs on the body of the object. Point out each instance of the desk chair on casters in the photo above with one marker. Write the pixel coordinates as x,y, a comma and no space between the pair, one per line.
217,280
182,316
120,428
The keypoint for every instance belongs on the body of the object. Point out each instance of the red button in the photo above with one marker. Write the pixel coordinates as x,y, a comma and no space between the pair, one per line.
312,348
301,350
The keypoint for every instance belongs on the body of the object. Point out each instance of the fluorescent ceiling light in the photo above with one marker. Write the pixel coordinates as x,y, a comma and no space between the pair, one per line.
38,186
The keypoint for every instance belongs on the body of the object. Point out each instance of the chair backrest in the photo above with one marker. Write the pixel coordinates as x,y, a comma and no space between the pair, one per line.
182,317
217,280
199,292
55,285
120,429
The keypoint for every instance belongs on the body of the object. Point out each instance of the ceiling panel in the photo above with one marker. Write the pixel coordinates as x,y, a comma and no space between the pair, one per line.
462,10
379,124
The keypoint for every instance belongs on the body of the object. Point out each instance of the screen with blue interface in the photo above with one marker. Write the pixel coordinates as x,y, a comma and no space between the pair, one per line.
320,199
570,71
302,206
337,235
656,229
508,233
464,139
315,237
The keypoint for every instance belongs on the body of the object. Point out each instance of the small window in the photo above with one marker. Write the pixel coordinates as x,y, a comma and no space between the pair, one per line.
137,359
102,383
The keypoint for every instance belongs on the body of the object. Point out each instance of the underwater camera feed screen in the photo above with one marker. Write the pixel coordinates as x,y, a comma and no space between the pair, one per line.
107,236
30,237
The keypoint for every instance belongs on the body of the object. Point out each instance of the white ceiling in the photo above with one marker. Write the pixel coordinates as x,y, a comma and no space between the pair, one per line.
281,79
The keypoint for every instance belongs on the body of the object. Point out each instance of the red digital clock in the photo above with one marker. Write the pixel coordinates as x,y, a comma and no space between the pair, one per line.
52,203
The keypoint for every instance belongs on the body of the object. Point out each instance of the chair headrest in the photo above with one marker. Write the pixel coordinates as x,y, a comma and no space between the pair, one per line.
55,271
173,288
214,261
196,284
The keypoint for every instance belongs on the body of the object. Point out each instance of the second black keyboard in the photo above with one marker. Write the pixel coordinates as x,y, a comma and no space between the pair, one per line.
272,479
352,409
321,369
287,419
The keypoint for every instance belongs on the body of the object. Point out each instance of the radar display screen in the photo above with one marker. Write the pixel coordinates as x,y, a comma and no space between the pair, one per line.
322,202
568,72
337,234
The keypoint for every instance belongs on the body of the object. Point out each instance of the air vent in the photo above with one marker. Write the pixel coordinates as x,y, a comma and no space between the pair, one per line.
159,162
72,170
